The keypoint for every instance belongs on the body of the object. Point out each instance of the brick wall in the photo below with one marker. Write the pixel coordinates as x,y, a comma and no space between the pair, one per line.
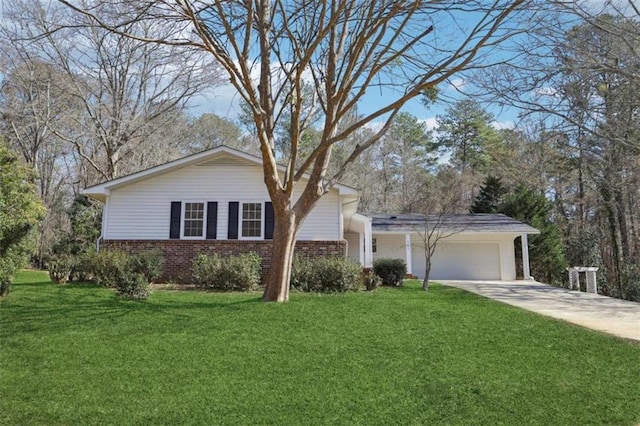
178,254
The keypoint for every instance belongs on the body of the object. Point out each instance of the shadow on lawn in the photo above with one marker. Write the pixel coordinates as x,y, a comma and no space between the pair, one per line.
82,305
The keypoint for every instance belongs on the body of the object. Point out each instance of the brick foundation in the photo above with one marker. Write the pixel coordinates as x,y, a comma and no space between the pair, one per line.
179,254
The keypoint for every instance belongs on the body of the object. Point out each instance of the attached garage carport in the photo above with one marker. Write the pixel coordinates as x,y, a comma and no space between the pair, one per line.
473,246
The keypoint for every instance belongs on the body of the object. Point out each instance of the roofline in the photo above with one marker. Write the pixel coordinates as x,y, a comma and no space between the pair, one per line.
418,219
461,231
102,190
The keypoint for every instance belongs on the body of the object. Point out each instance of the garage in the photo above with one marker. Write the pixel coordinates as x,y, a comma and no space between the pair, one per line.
460,261
470,246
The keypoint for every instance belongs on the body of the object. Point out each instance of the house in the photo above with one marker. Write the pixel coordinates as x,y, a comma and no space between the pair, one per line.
216,201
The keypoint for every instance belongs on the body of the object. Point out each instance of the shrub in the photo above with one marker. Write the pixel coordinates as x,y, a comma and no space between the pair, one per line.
128,274
10,261
133,286
392,271
7,269
148,263
371,281
110,267
60,269
326,274
83,267
233,273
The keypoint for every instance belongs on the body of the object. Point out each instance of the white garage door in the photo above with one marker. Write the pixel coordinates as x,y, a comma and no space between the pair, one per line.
460,261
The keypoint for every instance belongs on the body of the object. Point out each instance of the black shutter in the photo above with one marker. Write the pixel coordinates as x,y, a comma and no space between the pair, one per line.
212,219
269,220
232,230
174,224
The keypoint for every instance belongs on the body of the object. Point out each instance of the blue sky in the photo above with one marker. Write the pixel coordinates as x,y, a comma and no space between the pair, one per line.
224,102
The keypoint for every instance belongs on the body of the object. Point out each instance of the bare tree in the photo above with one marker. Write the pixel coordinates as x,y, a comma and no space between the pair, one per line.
129,91
440,221
346,48
33,99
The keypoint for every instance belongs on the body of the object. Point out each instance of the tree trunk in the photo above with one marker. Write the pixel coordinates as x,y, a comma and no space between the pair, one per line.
427,272
285,231
616,252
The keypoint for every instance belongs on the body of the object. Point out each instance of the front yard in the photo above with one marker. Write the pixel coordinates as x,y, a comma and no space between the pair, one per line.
74,354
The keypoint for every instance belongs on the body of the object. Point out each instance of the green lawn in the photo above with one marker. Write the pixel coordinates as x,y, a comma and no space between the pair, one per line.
74,354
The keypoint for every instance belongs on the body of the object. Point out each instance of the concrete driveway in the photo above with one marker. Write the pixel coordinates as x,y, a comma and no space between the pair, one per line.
614,316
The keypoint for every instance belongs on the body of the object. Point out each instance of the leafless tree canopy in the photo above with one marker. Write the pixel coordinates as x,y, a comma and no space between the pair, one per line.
124,91
345,48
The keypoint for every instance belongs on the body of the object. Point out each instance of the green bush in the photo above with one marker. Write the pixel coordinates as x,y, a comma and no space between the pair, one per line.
110,267
148,263
233,273
128,274
10,261
7,269
371,281
83,267
60,269
392,271
133,286
326,274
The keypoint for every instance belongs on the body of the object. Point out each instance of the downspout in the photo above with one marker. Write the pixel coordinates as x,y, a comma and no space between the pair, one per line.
103,225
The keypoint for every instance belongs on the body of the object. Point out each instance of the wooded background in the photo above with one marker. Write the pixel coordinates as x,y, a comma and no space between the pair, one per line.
81,105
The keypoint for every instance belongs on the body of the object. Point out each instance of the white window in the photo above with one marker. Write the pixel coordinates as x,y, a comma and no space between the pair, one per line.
251,224
374,245
193,225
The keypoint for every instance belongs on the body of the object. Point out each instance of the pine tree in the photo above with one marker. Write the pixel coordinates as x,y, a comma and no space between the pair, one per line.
546,250
491,194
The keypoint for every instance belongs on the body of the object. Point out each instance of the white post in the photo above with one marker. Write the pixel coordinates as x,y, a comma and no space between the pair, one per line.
526,272
574,279
592,285
407,246
368,248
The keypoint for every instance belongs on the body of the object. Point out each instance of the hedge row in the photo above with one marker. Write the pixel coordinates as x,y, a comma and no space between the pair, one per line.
131,275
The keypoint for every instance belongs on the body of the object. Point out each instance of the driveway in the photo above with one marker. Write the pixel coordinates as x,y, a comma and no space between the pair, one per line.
614,316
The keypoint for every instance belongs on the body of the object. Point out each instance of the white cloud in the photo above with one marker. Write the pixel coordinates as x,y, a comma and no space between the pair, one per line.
503,125
430,122
222,101
458,83
546,91
614,7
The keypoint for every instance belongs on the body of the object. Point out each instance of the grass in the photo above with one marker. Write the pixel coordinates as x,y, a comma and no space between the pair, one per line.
74,354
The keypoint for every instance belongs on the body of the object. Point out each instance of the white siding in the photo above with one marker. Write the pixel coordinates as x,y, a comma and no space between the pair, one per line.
353,245
141,210
390,246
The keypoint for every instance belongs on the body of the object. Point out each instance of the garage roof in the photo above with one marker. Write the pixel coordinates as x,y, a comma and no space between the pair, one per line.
478,222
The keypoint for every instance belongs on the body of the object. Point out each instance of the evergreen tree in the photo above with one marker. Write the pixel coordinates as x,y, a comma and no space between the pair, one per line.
86,218
490,197
20,211
546,250
465,130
